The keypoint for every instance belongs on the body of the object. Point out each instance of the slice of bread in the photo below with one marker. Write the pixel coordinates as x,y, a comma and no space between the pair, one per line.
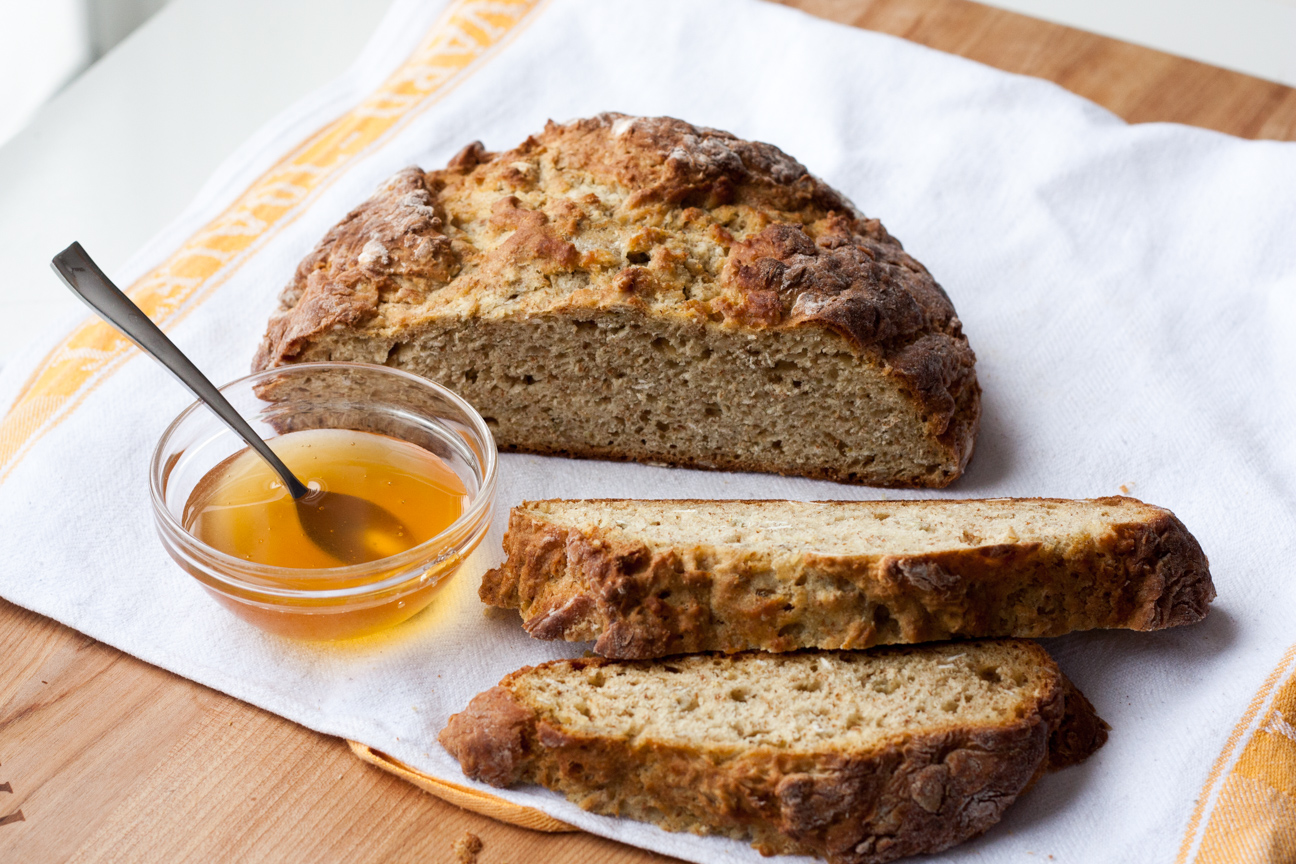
852,756
638,288
652,578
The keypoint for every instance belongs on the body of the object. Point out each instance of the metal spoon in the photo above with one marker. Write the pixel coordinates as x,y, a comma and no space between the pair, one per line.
344,526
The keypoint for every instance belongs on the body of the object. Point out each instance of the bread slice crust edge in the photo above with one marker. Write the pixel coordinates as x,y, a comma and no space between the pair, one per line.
634,601
917,793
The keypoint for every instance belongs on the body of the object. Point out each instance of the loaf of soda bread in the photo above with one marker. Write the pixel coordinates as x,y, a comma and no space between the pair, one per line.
643,289
858,757
652,578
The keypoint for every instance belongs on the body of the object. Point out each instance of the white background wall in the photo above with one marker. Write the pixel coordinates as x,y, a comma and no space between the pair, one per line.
43,43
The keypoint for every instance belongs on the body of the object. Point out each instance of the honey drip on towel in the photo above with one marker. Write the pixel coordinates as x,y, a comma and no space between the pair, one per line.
242,508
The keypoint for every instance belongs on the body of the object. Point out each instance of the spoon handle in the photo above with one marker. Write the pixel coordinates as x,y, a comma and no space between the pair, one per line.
89,283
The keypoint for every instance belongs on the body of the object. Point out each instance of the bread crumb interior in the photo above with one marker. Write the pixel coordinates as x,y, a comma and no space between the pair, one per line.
846,527
839,700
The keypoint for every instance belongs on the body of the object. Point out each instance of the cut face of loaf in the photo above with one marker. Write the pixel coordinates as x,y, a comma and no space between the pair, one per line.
643,289
653,578
852,756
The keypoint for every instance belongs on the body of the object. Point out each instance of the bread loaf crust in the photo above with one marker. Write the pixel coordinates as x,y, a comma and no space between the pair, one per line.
636,602
803,259
920,793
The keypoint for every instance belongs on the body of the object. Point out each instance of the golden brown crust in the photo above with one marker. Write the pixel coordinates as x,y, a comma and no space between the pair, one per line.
640,603
1168,565
389,249
1079,733
782,252
492,737
920,793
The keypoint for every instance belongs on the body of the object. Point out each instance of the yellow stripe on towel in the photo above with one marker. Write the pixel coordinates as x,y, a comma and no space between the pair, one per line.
1246,813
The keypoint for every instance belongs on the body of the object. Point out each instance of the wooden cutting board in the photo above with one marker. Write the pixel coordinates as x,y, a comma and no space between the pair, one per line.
104,758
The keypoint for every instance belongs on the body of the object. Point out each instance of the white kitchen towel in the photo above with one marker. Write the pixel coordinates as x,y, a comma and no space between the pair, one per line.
1130,292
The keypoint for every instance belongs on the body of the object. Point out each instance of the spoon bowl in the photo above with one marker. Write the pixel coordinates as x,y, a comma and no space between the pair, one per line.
351,529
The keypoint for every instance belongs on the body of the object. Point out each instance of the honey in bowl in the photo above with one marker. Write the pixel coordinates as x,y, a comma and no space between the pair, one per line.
440,458
242,508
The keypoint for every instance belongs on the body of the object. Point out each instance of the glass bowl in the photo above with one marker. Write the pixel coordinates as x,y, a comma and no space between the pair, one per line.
334,602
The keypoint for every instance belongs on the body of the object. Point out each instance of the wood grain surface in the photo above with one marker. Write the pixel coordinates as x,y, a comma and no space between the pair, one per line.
104,758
